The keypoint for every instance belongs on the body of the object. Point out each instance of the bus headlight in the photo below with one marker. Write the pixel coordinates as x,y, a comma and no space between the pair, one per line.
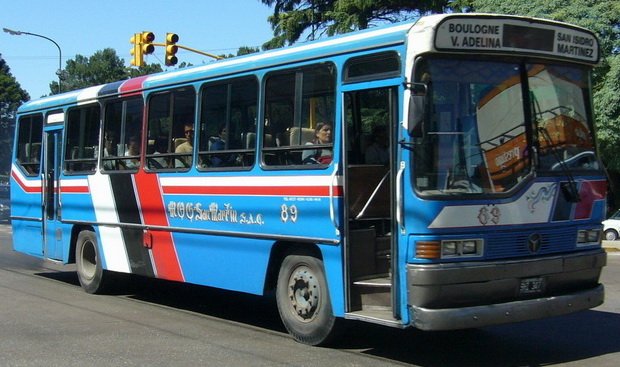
588,237
449,248
460,248
470,247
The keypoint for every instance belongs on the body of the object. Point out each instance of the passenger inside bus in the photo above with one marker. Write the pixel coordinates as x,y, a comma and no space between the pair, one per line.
160,147
378,152
133,151
322,135
186,148
219,143
109,149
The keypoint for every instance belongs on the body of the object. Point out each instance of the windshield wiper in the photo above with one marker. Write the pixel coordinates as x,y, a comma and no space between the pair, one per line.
568,188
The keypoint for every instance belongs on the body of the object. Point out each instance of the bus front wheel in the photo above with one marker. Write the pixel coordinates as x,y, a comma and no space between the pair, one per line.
303,300
90,272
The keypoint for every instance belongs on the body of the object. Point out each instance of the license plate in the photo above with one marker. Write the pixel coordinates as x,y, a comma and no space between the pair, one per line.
531,285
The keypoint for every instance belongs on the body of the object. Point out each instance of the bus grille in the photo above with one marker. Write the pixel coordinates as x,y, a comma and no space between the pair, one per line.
505,244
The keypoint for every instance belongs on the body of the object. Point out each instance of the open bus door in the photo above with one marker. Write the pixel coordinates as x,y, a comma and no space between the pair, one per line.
370,118
52,233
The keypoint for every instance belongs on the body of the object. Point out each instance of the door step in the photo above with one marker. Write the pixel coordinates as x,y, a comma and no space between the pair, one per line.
381,316
374,293
379,282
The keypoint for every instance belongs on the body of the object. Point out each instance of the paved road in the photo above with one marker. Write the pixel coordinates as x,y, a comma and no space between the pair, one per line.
46,319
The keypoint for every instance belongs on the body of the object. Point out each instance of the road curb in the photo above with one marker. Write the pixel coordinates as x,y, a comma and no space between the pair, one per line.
611,246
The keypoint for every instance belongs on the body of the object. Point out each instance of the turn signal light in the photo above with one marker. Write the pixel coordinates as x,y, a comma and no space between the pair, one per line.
428,249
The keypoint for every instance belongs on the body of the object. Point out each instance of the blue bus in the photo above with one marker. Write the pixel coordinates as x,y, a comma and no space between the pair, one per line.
440,174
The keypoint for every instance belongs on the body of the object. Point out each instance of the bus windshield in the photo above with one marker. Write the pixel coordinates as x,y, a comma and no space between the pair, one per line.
484,120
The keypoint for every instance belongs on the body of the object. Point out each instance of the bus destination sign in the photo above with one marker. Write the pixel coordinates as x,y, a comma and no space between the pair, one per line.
501,35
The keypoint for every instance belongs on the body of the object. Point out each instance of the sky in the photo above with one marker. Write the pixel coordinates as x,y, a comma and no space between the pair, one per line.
85,26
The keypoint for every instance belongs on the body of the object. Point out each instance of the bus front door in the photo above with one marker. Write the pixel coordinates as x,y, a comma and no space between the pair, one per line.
52,233
370,117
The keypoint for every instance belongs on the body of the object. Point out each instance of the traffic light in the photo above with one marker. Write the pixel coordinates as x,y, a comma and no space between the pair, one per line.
136,50
142,45
171,49
147,39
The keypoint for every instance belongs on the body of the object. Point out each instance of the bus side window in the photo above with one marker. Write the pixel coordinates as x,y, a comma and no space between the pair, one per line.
82,139
122,129
29,139
171,124
228,124
296,103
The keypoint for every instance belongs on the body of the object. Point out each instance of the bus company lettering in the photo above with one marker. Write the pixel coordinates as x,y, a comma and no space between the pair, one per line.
575,45
507,156
212,213
474,35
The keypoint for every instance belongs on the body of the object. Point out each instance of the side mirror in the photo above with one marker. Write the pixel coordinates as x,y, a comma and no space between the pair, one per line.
417,109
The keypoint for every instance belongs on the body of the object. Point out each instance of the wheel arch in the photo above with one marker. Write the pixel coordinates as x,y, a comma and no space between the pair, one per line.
330,255
278,252
75,232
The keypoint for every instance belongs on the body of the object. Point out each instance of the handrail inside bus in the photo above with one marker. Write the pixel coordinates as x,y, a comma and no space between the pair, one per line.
372,195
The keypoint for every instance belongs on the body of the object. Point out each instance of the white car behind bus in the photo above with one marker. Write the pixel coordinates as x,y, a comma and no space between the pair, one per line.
611,227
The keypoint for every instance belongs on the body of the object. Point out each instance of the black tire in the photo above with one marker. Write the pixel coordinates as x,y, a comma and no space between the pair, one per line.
611,235
90,272
303,300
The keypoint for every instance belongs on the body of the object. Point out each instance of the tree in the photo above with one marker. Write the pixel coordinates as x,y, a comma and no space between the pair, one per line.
607,110
145,70
243,50
291,18
11,97
102,67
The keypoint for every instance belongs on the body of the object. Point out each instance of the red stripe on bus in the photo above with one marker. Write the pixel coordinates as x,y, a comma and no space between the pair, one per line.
153,212
253,191
22,184
75,189
132,85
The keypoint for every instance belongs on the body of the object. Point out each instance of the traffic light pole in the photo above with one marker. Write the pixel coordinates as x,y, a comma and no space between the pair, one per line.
191,49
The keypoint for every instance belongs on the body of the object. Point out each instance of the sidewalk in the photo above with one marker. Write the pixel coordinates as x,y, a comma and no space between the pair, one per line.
611,246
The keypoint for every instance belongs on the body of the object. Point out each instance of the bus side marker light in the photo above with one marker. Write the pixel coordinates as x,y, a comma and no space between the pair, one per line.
428,249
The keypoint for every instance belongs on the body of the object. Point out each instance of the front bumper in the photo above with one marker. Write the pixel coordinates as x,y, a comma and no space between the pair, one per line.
470,295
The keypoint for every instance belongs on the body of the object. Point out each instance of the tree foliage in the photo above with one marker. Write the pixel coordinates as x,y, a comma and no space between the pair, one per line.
243,50
11,93
292,18
102,67
11,97
607,111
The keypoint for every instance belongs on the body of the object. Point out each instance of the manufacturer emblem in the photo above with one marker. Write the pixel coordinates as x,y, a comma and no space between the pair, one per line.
534,242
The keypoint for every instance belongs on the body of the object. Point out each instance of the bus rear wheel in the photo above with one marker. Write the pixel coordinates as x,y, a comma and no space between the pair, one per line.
90,271
303,300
